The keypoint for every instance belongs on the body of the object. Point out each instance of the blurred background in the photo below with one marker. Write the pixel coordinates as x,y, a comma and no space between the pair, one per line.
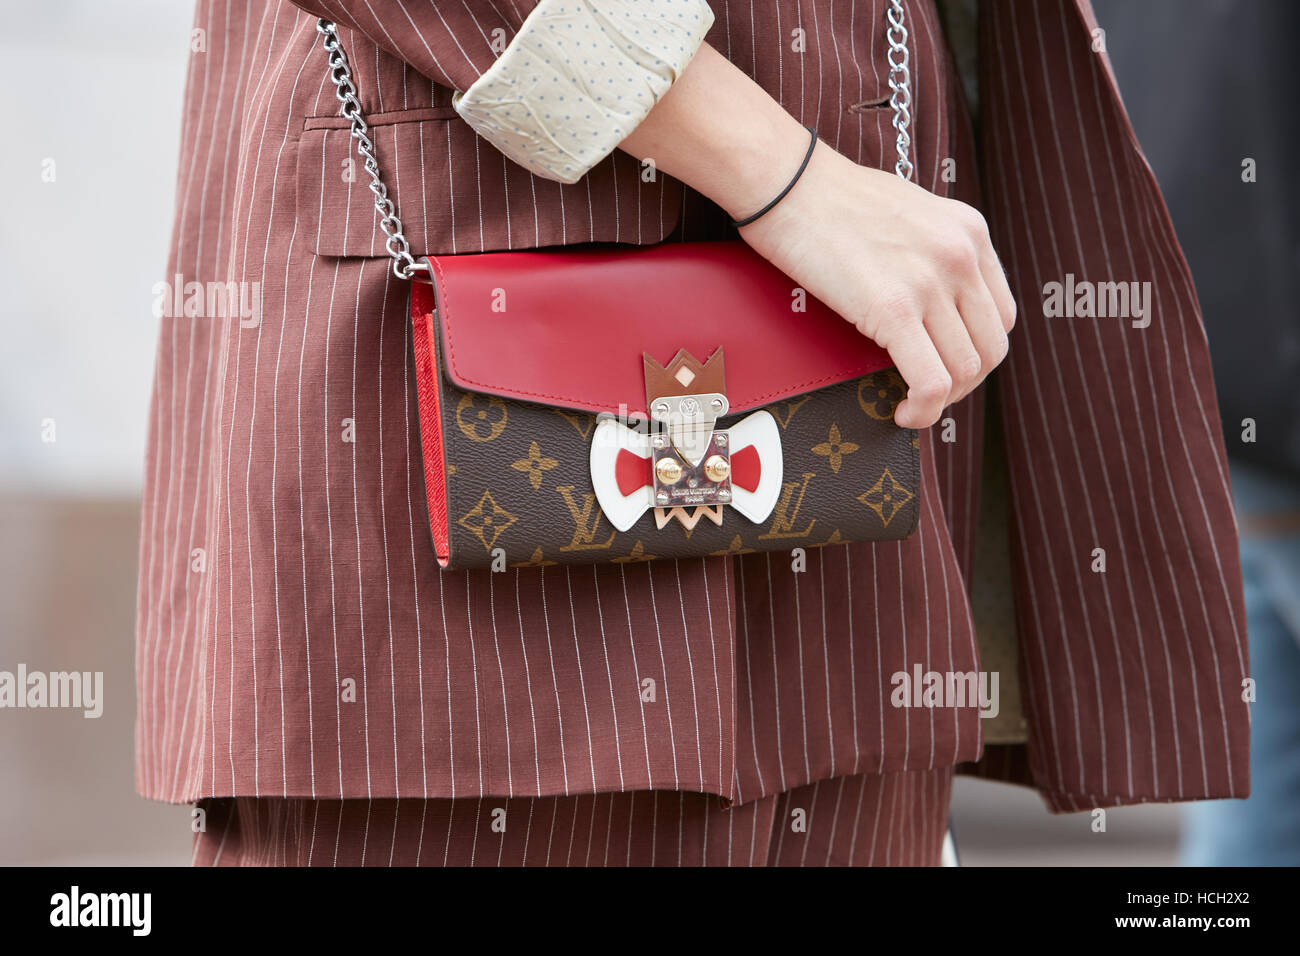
84,238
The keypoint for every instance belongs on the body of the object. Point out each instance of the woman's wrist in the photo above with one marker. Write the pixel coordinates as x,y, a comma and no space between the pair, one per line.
720,133
803,166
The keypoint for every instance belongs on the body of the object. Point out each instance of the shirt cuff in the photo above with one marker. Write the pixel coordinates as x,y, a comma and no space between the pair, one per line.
579,76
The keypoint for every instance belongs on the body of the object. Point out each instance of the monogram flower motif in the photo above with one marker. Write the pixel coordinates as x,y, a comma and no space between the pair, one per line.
880,393
886,497
481,418
535,465
834,448
487,520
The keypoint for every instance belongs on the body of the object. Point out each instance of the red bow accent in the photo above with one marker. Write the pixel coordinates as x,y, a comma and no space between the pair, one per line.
746,468
631,471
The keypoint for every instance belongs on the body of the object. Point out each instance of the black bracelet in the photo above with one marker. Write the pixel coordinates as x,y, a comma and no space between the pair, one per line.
737,223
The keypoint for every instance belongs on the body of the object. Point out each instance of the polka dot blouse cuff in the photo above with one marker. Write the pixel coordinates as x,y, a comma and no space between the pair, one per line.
579,76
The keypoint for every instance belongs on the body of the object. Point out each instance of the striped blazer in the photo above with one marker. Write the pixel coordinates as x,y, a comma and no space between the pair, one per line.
296,636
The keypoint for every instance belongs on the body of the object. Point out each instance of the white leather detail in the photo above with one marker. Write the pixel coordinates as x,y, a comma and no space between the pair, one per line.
610,436
761,431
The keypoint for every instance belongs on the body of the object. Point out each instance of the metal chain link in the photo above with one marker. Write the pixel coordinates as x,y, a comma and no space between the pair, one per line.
404,264
900,85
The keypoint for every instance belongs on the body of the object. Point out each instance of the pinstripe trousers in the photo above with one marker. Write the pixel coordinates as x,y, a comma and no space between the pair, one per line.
893,819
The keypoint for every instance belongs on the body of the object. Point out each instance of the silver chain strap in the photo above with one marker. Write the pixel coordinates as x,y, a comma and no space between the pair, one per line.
404,264
900,84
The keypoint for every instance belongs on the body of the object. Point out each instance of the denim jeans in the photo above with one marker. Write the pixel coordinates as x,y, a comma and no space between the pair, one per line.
1263,830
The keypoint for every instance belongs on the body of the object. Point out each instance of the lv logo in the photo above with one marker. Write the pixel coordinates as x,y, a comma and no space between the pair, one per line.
586,520
786,511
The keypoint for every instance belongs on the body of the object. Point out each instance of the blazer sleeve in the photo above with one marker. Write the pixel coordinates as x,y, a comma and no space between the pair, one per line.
452,42
1130,610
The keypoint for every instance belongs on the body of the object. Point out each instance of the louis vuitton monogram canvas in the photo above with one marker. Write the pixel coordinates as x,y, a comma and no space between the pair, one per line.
519,490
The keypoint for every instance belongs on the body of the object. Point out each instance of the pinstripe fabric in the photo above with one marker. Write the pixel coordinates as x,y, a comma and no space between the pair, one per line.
296,637
896,819
1134,676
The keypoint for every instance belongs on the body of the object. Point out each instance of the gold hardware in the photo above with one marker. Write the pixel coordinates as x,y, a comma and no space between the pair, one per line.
717,468
669,470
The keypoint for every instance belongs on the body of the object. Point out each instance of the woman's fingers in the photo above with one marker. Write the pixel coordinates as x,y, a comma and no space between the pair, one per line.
952,339
928,380
983,321
944,356
970,324
996,281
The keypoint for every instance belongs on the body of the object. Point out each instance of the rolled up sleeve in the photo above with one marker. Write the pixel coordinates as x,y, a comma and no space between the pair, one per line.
579,76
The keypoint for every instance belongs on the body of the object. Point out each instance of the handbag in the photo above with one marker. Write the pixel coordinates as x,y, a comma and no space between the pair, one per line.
606,403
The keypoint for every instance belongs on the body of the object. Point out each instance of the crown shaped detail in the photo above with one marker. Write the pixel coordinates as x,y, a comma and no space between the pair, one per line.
684,375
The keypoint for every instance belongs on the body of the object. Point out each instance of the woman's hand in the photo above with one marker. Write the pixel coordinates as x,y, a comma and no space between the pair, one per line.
914,272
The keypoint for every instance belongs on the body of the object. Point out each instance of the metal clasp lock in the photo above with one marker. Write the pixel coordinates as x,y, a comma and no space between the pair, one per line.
691,460
695,468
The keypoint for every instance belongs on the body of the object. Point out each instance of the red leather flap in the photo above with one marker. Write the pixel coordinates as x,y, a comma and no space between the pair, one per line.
568,327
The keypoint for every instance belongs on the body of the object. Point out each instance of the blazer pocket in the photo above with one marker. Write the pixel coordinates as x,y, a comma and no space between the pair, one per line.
335,205
455,193
874,144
